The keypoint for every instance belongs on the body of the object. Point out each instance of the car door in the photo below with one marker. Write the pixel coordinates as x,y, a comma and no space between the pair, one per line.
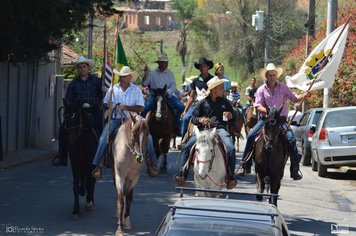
300,131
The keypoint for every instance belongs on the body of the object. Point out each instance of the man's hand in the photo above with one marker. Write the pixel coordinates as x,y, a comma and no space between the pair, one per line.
122,107
204,120
228,115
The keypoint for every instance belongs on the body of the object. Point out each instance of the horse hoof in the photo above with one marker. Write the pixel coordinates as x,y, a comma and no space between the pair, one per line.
89,206
119,233
127,223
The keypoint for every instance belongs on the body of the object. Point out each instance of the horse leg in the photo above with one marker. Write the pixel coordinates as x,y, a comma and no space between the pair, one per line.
275,186
129,196
260,186
75,173
119,204
90,185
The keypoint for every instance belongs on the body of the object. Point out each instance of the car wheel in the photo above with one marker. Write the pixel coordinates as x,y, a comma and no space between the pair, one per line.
305,158
314,164
322,170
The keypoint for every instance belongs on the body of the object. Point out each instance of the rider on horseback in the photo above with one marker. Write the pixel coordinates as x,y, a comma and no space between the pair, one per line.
272,94
212,111
158,79
126,97
86,89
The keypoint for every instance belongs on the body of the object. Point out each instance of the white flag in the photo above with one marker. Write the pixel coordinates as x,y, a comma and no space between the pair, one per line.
312,66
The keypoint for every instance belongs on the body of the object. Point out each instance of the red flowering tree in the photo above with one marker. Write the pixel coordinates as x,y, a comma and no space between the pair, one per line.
343,92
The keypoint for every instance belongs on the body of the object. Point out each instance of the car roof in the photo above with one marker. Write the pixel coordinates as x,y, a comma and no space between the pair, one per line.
315,109
339,108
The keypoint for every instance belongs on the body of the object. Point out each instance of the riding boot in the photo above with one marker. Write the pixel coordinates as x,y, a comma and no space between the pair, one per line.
294,167
151,169
97,172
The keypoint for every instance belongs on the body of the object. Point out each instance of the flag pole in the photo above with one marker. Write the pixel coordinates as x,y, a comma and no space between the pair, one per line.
112,85
322,67
103,70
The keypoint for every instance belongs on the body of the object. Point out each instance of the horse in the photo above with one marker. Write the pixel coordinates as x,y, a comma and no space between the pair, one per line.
82,142
270,156
129,149
161,125
250,118
236,127
210,170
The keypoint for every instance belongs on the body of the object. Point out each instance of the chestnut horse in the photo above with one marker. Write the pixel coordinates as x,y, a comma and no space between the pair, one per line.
129,149
270,155
82,143
251,118
161,124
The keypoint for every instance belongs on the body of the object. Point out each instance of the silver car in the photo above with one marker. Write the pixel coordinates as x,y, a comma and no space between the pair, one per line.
303,134
334,140
195,216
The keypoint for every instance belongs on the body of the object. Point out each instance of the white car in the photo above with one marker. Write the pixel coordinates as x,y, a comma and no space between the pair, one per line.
334,140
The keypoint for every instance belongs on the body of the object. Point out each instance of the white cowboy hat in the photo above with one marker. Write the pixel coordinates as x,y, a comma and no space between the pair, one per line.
271,67
234,84
214,82
162,57
83,60
125,70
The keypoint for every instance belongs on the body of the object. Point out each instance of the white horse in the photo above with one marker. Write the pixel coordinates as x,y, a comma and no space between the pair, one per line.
129,149
209,163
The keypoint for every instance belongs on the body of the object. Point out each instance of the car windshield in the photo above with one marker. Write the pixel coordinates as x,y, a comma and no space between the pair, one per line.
340,118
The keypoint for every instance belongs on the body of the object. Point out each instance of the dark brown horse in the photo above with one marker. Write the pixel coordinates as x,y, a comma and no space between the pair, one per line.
82,143
161,124
129,149
235,126
250,118
270,155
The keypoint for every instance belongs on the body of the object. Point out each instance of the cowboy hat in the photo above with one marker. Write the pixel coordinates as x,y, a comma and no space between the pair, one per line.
234,84
271,67
83,60
162,57
214,82
202,61
125,70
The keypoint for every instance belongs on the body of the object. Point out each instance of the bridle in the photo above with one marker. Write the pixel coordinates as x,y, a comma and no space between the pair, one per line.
137,153
270,141
210,161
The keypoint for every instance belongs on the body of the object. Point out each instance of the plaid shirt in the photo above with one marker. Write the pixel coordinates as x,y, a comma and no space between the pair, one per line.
88,91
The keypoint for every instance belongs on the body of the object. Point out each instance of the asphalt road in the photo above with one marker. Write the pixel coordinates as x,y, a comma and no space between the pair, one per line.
36,199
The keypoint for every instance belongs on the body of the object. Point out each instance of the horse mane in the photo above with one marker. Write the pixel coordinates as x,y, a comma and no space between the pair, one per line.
130,129
272,114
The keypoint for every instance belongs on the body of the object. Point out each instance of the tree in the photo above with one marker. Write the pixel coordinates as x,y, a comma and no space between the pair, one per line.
31,29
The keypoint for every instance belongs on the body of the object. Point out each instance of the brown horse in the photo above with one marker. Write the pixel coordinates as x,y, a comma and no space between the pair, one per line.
250,118
161,124
129,149
270,155
235,126
82,143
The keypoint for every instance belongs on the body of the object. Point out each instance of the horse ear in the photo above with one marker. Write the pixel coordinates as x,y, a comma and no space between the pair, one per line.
133,118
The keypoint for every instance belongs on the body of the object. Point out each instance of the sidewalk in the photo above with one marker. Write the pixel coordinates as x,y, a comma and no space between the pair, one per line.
16,158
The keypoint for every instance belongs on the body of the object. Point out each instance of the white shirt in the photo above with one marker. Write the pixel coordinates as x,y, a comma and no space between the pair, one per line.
132,96
297,117
157,80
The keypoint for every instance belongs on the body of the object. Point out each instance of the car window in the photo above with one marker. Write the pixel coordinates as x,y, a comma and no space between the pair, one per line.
316,117
304,119
340,118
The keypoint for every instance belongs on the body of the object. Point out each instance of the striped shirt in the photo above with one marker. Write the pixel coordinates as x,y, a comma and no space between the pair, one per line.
157,79
132,96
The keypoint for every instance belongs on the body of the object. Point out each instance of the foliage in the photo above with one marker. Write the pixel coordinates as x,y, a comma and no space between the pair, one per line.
343,92
31,29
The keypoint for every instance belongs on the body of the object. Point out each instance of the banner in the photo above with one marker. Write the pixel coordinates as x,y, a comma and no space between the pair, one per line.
312,67
120,57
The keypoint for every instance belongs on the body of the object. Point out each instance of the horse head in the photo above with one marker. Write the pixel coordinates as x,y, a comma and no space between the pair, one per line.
73,121
272,128
159,96
139,137
204,153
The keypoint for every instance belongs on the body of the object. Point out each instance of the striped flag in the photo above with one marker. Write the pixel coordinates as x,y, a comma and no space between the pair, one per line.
108,76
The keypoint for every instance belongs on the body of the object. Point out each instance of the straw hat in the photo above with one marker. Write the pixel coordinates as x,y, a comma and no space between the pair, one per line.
234,84
83,60
125,70
271,67
202,61
214,82
162,57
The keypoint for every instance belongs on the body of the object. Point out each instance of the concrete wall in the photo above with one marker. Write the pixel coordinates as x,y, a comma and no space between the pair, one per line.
30,95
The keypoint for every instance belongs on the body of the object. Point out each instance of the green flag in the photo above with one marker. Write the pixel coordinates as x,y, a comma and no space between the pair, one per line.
120,57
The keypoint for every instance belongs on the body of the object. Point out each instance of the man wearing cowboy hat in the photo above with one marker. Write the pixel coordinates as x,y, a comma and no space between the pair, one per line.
126,97
234,95
198,84
85,90
158,79
273,94
212,108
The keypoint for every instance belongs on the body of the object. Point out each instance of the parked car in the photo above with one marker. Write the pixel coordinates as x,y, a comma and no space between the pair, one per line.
334,140
196,216
303,134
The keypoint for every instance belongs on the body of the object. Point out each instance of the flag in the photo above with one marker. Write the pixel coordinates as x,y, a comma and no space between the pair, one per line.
312,67
108,74
120,57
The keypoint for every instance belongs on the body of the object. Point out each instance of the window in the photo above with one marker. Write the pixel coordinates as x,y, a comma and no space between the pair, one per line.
158,20
169,18
147,20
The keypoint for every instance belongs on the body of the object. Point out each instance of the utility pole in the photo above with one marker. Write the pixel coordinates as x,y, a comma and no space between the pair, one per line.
267,32
331,21
90,30
310,25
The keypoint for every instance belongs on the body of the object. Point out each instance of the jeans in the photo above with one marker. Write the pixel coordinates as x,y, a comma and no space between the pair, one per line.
115,124
185,120
289,136
230,150
172,101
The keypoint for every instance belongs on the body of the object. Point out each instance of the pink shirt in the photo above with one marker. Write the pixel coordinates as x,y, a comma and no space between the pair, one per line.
282,94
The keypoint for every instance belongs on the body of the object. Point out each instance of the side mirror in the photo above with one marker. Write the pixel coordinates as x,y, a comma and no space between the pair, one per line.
313,128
